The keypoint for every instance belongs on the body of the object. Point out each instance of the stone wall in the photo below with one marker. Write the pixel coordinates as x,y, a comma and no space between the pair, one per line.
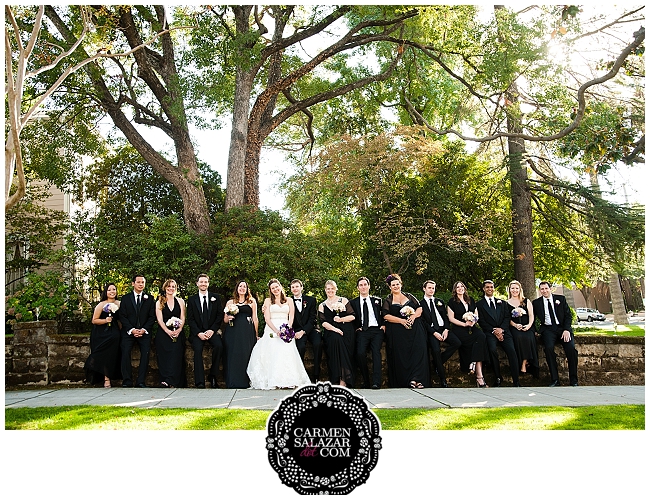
36,355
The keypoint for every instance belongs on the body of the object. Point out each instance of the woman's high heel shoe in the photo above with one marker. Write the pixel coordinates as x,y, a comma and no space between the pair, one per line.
480,379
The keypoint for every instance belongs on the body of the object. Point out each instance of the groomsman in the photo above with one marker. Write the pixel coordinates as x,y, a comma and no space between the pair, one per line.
436,323
555,317
370,330
304,324
494,320
204,316
137,315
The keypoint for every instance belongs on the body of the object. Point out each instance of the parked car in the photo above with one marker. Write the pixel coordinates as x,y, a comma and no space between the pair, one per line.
589,314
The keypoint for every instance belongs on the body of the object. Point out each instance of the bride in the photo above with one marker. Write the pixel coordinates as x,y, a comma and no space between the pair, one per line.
275,363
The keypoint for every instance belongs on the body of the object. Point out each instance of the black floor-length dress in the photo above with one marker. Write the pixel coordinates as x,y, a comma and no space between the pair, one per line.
525,342
238,342
339,348
104,359
170,354
407,357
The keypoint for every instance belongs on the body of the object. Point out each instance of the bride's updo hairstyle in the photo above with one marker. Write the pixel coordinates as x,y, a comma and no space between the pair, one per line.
283,297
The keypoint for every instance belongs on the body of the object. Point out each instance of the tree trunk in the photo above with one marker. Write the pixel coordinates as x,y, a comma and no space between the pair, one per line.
522,213
618,303
238,140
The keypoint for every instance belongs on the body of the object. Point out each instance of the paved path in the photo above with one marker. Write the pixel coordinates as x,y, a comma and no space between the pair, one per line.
430,398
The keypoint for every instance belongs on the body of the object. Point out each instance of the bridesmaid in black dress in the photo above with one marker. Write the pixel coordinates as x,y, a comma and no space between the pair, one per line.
170,341
239,336
523,330
473,350
104,360
336,316
406,339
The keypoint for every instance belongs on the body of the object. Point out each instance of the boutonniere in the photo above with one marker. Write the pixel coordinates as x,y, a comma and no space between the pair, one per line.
145,297
376,302
212,299
439,303
557,302
498,301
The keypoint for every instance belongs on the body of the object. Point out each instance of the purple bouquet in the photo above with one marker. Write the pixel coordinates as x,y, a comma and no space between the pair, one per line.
287,333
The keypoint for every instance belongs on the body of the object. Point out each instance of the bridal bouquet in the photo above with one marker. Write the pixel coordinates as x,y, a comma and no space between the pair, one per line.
518,312
174,323
111,309
232,310
287,333
338,306
407,311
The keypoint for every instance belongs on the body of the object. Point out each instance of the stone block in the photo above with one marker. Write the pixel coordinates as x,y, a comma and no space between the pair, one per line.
67,378
68,350
29,365
615,364
30,350
15,379
630,351
592,349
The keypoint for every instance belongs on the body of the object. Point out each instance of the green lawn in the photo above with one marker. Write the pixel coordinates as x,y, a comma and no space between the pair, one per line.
621,417
621,331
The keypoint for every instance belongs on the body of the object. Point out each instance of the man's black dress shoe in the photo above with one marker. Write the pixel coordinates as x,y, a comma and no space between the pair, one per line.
126,384
516,384
200,385
554,383
574,384
497,382
213,382
141,385
375,386
444,384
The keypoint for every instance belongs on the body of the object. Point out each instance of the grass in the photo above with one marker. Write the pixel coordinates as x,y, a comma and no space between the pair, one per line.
621,331
619,417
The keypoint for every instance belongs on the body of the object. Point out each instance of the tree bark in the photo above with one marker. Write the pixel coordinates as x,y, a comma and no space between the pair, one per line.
618,302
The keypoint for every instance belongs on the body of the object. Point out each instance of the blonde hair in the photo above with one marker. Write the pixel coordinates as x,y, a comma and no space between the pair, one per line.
332,283
521,289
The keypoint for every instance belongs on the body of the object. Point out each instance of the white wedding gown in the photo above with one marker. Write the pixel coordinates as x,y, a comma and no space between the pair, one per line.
275,363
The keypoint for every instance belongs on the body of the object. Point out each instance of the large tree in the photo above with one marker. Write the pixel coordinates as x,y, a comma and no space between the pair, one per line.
496,68
144,91
281,61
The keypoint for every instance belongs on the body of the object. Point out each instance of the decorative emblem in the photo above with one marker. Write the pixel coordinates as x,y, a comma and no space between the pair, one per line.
323,440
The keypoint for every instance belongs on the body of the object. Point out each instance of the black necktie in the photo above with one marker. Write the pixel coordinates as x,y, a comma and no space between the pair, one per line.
205,304
138,303
551,313
431,307
365,314
491,304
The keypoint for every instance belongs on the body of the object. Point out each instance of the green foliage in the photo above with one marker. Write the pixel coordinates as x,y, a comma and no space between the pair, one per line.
43,295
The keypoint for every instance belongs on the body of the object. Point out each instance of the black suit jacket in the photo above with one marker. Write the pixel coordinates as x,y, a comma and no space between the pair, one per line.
431,321
129,315
195,314
376,306
562,311
489,319
306,319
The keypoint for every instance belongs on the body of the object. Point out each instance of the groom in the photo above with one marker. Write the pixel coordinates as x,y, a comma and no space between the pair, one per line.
137,315
204,316
304,324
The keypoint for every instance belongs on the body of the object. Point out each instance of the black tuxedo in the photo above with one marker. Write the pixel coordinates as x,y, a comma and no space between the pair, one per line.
498,317
131,318
551,334
373,337
432,326
200,323
305,320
